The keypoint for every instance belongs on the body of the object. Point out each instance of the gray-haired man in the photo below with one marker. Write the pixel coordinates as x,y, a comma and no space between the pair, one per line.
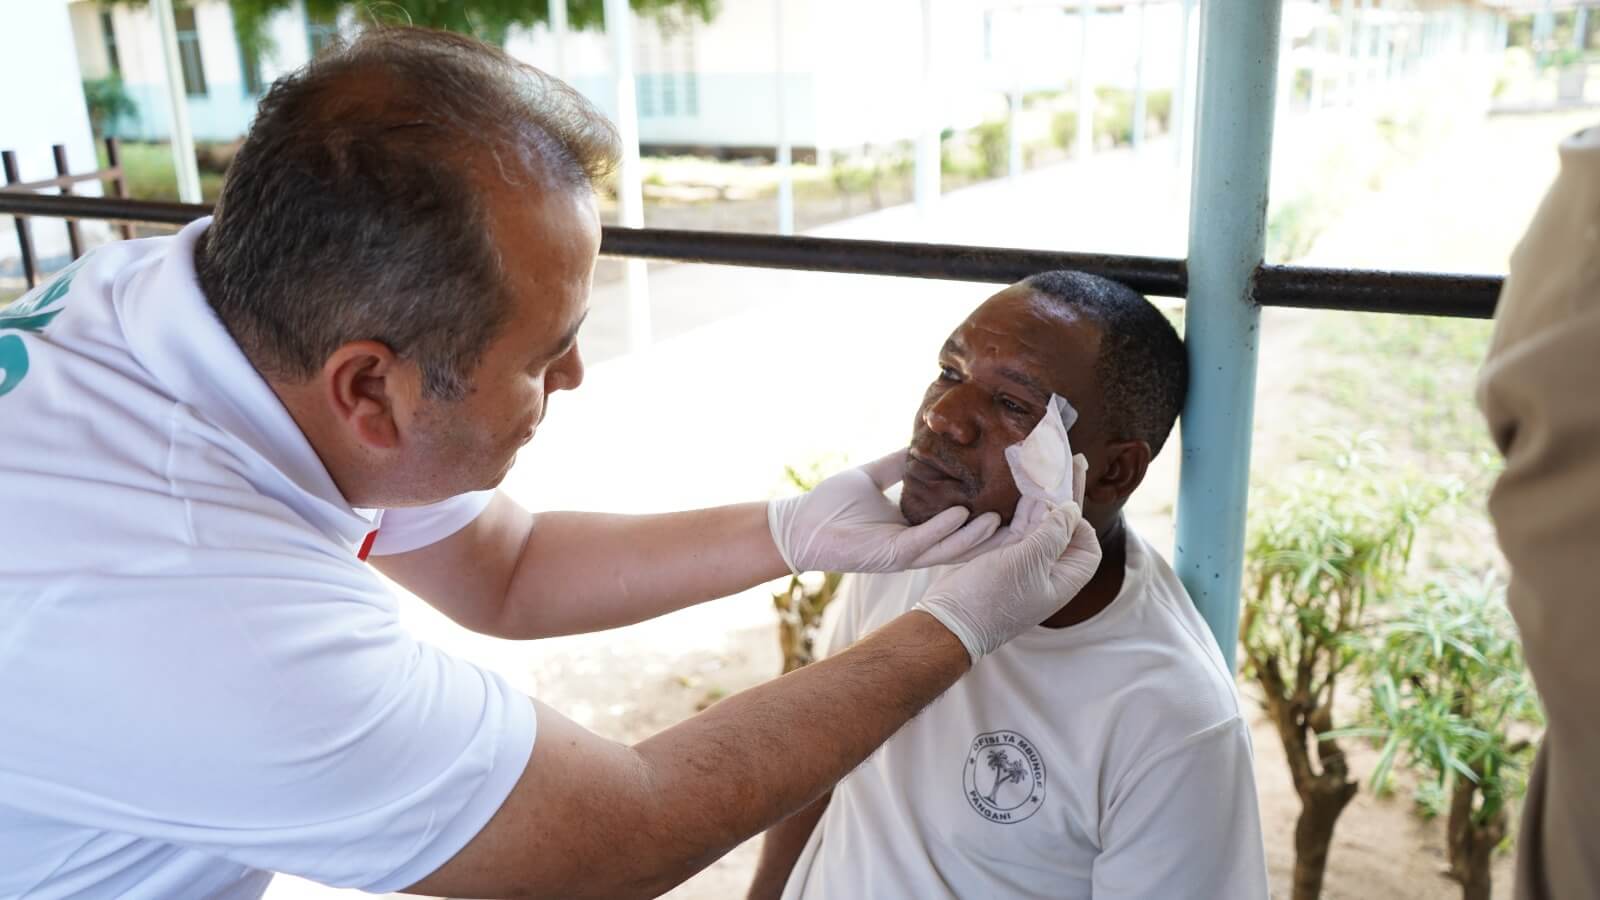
208,434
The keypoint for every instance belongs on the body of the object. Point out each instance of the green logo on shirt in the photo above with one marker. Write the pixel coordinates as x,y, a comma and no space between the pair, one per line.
30,314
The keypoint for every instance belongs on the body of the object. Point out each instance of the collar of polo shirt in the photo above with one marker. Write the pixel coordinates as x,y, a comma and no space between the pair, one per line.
176,336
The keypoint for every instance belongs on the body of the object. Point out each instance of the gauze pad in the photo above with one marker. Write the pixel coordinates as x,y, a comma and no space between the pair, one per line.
1042,464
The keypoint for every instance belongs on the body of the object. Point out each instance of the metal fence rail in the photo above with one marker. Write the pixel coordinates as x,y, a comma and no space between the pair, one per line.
1413,293
63,181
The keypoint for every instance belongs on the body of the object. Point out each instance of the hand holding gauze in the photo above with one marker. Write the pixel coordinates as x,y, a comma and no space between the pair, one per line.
1001,594
1040,465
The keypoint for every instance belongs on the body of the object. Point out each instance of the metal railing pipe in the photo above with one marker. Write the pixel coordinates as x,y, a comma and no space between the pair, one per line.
1416,293
1227,237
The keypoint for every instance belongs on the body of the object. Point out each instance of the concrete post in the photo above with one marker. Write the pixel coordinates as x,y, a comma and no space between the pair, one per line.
1181,91
558,37
1085,140
630,194
785,150
183,161
1138,83
926,177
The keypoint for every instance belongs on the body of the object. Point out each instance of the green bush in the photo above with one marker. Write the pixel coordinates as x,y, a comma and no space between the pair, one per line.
108,103
1064,128
1158,107
1449,689
1113,116
1324,549
994,146
1114,113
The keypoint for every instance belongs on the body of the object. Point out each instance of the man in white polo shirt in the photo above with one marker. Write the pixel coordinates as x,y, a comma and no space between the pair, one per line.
206,437
1102,754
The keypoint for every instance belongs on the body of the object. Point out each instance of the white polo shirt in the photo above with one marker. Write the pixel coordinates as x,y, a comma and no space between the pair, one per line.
1106,760
200,681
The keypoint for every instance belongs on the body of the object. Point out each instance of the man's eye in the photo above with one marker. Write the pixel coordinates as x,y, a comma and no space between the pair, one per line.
1013,406
948,374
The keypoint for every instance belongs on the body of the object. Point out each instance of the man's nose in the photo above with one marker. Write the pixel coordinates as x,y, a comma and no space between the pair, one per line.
567,373
949,415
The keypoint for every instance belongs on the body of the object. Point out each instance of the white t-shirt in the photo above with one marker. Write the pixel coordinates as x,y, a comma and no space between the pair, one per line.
200,681
1104,760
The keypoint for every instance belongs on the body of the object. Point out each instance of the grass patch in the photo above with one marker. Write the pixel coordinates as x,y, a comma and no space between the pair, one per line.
148,173
1408,384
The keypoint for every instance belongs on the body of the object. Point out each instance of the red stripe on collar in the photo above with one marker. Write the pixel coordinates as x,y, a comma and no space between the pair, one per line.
366,545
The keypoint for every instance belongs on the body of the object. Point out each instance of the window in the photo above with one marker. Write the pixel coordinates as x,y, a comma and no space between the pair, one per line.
108,33
194,70
668,85
645,89
691,78
669,95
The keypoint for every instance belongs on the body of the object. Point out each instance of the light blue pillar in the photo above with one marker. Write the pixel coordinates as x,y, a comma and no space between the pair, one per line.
1227,228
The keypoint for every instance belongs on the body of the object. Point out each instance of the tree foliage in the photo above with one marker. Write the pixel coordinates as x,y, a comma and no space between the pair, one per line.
1324,548
488,20
108,103
1451,698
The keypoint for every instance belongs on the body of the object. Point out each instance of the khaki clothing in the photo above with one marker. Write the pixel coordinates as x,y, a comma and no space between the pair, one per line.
1540,391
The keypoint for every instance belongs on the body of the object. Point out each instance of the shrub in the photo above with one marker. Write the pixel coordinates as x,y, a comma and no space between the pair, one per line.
1450,690
108,104
1320,554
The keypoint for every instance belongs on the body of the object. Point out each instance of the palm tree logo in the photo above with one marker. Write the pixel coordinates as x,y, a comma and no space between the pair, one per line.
1004,777
1006,771
29,315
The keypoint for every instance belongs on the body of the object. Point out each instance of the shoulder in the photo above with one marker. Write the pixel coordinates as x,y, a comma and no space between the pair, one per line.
1162,676
1173,643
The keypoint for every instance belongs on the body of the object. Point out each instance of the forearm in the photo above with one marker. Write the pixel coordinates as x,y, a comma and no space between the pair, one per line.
761,755
781,847
583,572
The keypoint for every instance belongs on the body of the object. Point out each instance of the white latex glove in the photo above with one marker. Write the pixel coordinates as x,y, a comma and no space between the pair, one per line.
999,595
846,524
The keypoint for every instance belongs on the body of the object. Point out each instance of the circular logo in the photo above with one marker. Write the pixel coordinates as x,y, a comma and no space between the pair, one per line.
1004,777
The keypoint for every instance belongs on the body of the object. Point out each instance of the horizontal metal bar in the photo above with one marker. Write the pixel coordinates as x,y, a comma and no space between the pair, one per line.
1405,293
61,181
1412,293
115,209
952,262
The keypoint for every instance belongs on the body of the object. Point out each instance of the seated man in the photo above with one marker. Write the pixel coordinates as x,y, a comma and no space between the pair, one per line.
1104,753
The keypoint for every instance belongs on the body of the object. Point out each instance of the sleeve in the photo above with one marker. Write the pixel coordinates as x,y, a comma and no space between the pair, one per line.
1189,816
1537,392
408,528
270,710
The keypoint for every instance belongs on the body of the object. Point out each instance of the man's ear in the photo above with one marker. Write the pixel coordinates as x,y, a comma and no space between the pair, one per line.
1126,463
367,386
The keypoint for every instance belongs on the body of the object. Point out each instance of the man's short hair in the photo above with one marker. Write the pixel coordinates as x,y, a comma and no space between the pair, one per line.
357,208
1143,368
